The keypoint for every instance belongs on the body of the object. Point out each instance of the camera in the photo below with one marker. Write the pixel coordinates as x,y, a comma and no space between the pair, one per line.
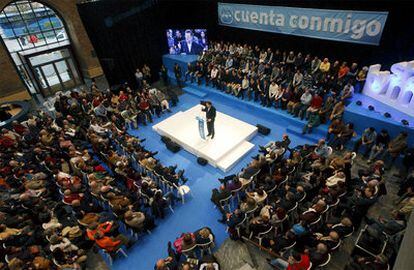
203,102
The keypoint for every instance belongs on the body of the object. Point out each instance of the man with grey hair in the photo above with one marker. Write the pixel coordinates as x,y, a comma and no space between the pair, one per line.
162,99
318,255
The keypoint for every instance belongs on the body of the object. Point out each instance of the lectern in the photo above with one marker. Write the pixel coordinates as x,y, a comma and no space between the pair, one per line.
201,131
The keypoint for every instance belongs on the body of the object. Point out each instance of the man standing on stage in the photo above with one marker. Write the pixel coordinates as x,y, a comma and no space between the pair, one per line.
210,117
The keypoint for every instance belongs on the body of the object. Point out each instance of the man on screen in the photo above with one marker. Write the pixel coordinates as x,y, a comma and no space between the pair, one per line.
210,117
170,38
188,46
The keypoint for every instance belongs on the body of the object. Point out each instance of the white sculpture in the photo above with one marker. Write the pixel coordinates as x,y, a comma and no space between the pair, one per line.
395,89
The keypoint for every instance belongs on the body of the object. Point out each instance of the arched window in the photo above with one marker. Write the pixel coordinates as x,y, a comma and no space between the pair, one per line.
39,45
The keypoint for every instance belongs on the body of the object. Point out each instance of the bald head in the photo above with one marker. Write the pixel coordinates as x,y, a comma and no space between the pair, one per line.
322,248
160,264
321,203
346,222
334,235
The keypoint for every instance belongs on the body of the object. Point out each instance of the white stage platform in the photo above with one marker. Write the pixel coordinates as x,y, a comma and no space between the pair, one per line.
230,143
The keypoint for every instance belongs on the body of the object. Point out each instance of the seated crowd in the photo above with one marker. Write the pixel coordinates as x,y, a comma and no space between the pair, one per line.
301,203
190,251
78,181
304,85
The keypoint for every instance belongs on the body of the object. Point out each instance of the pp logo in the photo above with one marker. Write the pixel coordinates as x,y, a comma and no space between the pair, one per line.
226,15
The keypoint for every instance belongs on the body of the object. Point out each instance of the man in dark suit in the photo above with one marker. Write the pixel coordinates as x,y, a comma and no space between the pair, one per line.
318,255
188,46
177,73
210,117
218,195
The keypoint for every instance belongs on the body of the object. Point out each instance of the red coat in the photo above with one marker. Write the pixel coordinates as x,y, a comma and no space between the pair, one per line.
316,102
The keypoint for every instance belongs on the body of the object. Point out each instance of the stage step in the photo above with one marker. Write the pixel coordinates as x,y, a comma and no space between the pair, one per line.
314,136
231,158
195,92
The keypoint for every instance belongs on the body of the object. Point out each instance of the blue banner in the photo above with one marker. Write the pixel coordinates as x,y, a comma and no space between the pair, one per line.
363,27
201,127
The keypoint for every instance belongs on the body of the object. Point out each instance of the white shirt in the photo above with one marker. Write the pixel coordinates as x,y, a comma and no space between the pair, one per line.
245,83
273,90
214,72
306,98
204,265
139,75
333,180
297,79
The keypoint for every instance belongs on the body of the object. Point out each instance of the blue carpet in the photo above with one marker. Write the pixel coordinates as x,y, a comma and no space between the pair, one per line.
198,211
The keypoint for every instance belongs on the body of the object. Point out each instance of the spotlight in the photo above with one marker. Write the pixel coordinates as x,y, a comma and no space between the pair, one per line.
387,115
359,103
405,122
371,108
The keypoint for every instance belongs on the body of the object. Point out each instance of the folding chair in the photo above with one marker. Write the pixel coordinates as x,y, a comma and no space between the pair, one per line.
168,185
261,235
238,226
110,256
331,209
280,224
353,156
337,245
236,194
50,108
345,236
313,226
226,202
206,247
358,245
330,151
324,263
283,181
189,252
303,197
184,190
250,213
253,179
288,247
293,213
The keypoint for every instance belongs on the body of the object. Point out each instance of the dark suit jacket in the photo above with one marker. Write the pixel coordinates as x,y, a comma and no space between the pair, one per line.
210,113
317,258
235,220
281,242
342,230
195,48
248,172
217,195
309,216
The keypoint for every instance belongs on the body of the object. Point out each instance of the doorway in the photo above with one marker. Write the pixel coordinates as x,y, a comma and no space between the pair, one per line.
52,71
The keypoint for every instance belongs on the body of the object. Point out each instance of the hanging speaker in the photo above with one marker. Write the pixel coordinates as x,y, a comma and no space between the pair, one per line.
202,161
173,147
165,139
262,129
